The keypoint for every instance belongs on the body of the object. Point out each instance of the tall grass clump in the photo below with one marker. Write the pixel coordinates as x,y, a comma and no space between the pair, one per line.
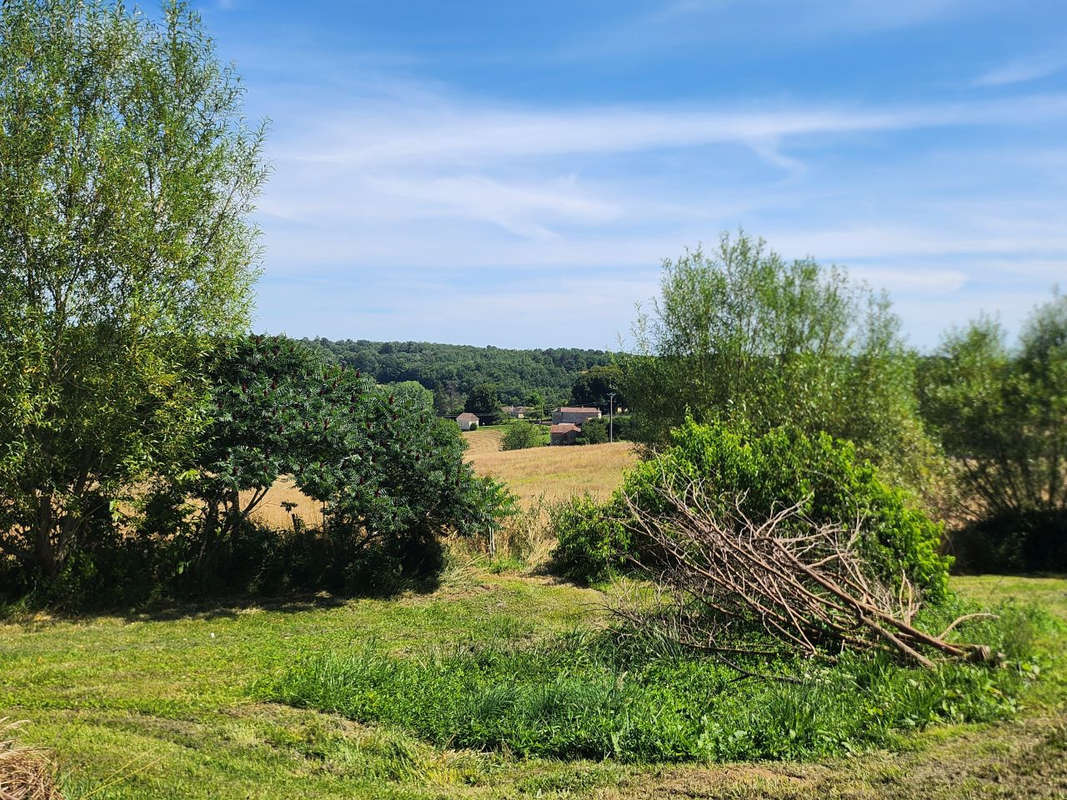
638,698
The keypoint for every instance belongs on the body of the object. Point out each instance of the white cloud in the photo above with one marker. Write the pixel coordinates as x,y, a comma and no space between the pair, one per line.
472,134
737,22
1023,70
910,280
395,214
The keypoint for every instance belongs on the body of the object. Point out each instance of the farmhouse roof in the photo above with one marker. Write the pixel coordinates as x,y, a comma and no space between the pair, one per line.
564,427
578,410
467,416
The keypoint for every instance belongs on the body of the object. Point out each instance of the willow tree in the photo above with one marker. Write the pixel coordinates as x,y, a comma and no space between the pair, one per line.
127,175
740,334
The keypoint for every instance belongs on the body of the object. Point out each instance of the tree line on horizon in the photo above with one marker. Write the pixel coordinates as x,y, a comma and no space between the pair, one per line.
542,377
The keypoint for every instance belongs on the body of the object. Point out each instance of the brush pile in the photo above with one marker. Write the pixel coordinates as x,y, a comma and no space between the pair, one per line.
805,584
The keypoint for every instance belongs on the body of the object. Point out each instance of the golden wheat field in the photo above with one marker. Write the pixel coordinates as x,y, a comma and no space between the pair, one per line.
549,472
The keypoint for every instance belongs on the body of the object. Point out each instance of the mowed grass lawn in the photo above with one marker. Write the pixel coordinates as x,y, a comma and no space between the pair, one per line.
161,707
164,706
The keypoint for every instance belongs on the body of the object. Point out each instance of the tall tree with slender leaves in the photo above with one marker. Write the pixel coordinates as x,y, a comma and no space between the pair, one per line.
740,334
127,175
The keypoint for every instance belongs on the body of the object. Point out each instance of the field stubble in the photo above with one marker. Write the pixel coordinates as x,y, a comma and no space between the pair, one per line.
537,475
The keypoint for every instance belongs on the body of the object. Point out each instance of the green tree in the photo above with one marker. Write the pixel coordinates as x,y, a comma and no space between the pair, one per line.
127,173
520,434
594,431
271,418
1001,412
740,334
595,386
384,467
447,400
535,405
484,402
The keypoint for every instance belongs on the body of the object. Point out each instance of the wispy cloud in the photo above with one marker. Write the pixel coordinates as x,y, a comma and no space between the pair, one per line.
472,134
419,209
687,23
1023,70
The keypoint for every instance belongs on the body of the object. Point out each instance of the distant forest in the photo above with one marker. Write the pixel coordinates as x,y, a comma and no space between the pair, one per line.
452,371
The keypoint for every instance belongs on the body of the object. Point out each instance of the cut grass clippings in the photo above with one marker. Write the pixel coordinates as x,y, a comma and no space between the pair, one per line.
26,773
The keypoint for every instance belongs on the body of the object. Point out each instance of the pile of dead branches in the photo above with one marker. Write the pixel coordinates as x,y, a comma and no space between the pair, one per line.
805,584
25,772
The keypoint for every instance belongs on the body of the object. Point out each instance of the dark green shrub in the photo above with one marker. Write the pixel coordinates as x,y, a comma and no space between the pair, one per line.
592,539
1034,541
772,471
594,431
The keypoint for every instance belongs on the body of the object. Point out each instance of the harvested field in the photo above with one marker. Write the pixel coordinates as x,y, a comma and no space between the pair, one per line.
271,511
551,472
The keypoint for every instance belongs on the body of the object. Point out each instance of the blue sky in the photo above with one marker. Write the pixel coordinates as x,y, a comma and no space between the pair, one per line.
513,173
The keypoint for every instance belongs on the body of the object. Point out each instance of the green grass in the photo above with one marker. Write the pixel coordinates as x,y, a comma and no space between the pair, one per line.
143,707
604,696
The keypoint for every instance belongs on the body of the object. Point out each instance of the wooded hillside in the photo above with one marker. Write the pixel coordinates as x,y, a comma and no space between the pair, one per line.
451,369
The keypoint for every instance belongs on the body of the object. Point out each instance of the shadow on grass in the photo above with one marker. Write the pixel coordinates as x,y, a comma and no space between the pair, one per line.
208,607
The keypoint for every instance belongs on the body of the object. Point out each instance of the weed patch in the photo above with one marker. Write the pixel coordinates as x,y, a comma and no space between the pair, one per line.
599,695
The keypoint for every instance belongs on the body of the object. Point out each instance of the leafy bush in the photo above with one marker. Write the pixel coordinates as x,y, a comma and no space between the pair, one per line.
594,431
770,471
389,475
632,699
383,466
520,434
592,540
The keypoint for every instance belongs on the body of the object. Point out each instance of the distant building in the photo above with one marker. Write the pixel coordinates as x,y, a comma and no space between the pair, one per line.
575,414
467,421
563,433
515,412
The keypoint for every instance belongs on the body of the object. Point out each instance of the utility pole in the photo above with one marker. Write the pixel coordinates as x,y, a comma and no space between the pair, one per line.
611,416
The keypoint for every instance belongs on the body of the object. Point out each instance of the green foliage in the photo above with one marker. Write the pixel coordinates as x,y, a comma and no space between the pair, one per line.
128,174
770,472
389,476
1000,412
592,540
626,697
484,403
594,431
741,335
385,469
520,434
453,371
594,387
